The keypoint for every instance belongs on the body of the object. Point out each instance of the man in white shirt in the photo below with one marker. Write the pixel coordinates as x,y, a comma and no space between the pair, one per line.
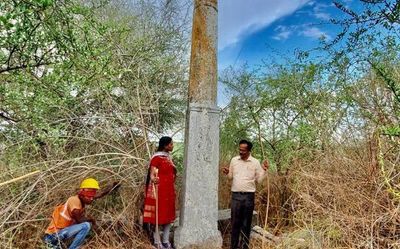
245,170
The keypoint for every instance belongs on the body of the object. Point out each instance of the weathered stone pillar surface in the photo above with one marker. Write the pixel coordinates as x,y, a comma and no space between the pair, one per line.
203,59
198,226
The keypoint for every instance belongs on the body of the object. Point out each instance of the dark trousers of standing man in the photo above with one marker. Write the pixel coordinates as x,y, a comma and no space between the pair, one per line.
242,207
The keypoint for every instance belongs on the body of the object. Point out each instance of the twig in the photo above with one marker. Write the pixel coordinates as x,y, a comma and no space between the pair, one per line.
19,178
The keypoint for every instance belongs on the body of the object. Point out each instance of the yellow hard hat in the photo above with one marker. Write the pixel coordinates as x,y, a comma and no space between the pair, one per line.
90,183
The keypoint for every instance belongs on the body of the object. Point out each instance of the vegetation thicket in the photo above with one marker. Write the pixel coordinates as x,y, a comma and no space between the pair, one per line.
331,130
86,88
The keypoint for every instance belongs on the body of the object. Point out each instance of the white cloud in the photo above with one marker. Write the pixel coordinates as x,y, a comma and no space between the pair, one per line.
320,7
315,33
322,16
311,3
283,33
320,11
237,18
307,30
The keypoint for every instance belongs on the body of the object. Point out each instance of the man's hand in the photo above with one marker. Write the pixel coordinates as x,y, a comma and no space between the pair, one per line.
265,164
77,215
108,189
225,170
93,222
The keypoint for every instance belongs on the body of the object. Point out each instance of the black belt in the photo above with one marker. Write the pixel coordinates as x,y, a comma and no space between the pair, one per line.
243,193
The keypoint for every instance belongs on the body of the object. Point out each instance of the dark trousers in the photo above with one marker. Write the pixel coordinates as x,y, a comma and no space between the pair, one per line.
242,207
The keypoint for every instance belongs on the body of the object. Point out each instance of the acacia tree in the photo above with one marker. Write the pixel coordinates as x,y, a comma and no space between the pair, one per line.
57,54
286,109
369,45
369,38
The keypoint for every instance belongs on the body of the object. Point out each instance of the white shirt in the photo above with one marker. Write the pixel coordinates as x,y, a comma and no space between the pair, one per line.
245,173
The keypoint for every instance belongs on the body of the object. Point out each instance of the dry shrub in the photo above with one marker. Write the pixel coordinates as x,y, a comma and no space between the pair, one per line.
224,189
335,196
26,205
343,202
278,203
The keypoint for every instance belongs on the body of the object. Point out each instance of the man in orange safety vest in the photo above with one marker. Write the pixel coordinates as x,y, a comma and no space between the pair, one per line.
69,219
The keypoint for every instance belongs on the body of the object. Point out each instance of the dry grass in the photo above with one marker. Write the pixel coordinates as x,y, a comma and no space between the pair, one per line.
26,205
338,199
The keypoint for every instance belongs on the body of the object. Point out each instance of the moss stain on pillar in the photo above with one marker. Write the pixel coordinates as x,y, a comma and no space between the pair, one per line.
203,60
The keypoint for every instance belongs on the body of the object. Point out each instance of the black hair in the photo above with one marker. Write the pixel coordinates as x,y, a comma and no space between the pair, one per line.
248,143
164,141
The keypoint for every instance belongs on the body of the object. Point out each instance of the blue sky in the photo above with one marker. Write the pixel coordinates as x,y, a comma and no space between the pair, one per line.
252,30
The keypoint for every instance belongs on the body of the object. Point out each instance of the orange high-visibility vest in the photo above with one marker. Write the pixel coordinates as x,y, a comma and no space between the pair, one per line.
62,215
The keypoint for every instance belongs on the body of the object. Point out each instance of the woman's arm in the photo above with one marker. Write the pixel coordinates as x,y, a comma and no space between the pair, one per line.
154,175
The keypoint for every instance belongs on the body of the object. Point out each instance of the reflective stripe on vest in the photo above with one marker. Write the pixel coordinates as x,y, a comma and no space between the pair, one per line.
64,212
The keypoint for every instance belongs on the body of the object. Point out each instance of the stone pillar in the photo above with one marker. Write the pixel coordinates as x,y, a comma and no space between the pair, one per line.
198,222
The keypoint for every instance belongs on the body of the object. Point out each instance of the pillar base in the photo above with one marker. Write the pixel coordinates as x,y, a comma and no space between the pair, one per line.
194,238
